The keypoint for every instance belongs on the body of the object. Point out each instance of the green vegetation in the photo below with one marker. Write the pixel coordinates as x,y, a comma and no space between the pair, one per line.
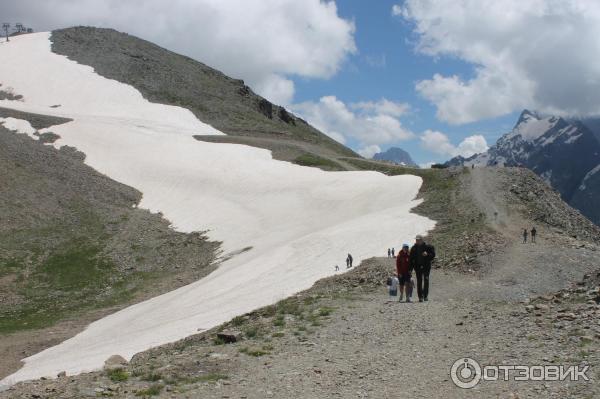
251,332
75,273
279,321
325,311
118,375
318,162
152,390
256,352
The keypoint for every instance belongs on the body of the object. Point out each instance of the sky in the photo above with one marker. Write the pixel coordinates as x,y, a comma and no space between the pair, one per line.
438,78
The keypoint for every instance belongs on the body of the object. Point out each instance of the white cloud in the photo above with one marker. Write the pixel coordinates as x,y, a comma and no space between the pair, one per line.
472,145
369,150
383,106
264,42
369,123
541,54
439,143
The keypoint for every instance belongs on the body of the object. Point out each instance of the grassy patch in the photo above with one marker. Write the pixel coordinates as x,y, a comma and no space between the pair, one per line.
325,311
152,390
279,321
118,375
256,352
318,162
79,267
252,332
238,321
11,266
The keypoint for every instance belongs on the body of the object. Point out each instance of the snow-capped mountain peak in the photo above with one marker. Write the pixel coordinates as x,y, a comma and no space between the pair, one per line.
531,126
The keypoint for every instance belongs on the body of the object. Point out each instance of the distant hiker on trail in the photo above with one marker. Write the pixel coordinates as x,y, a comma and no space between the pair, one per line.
525,236
389,253
421,255
349,261
337,268
533,234
393,252
403,272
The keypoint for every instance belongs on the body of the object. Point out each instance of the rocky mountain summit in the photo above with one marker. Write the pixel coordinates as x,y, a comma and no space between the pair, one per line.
395,155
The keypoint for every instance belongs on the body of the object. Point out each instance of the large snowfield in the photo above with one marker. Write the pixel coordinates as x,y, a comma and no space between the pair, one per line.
299,221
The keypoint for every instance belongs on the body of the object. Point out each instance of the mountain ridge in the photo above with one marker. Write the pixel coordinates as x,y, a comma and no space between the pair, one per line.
563,152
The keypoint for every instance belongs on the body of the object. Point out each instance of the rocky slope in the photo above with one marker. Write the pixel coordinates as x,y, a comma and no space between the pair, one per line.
395,155
566,154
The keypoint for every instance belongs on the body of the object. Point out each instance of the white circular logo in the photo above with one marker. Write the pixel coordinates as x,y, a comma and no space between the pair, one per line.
465,373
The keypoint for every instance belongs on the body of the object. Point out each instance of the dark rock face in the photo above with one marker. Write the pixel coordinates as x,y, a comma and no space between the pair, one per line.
395,155
266,108
286,116
565,153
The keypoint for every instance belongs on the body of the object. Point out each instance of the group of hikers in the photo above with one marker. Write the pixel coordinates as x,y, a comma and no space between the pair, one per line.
526,234
417,258
349,260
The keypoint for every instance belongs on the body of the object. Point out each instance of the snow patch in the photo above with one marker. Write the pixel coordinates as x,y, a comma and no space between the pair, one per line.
19,126
588,176
300,221
573,139
531,129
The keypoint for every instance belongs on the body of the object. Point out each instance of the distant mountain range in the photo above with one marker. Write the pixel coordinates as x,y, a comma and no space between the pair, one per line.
564,152
395,155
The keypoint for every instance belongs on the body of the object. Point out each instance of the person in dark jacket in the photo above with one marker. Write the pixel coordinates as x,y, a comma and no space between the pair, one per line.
533,234
421,255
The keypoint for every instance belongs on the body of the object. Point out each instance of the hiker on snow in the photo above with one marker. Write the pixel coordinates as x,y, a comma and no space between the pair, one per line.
403,272
421,255
349,261
533,234
389,253
525,236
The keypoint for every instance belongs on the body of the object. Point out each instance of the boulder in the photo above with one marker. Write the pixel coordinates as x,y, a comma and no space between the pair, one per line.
229,336
567,316
115,362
